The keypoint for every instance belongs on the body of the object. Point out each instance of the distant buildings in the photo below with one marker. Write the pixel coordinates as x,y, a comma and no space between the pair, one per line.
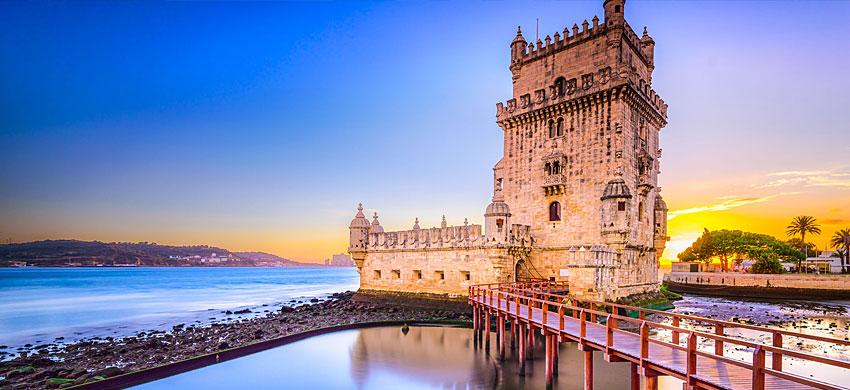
339,260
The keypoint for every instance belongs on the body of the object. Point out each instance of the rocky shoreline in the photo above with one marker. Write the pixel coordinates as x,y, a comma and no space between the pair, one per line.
59,366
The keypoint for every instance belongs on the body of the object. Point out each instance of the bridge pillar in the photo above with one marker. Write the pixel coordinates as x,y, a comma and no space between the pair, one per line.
529,348
513,334
487,330
521,354
650,383
588,369
550,359
501,333
634,376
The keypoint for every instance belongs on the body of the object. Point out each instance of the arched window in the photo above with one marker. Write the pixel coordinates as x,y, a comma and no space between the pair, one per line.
554,211
559,129
556,168
551,129
548,168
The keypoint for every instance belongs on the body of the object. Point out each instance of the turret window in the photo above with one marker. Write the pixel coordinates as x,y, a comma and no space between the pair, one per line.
621,206
554,211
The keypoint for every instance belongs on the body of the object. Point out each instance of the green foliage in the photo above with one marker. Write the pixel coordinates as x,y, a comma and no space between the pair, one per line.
802,225
736,245
670,294
59,380
767,265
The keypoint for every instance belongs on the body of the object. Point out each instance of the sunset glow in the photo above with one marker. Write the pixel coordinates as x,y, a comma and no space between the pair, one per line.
184,140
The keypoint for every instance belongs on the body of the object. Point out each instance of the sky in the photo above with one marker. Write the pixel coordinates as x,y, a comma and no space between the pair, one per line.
262,125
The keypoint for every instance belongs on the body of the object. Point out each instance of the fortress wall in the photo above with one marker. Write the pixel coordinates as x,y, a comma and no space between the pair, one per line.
398,270
824,282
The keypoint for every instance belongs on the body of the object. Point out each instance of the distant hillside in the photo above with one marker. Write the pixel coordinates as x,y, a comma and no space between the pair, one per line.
96,253
263,257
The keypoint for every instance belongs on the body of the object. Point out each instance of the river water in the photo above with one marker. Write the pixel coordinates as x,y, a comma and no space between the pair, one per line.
39,305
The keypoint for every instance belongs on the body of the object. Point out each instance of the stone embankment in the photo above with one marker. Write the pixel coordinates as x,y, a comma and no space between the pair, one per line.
798,286
55,366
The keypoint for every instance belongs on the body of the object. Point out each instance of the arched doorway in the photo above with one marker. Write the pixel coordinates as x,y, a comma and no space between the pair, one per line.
520,271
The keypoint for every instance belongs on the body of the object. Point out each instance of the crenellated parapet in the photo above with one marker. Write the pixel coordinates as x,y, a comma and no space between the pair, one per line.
465,236
634,89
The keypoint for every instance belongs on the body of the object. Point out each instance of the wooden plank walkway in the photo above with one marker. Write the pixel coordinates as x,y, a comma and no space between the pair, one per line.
710,371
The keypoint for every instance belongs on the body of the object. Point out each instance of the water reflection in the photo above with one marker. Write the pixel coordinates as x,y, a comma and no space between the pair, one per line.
385,357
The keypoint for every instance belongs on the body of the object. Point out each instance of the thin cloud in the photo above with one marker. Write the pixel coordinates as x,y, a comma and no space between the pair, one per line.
726,204
822,178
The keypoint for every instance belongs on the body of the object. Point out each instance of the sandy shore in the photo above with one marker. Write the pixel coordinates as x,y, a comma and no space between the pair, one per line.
57,366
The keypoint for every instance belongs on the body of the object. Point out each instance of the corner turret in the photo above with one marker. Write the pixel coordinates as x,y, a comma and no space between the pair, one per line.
359,230
614,12
518,46
647,46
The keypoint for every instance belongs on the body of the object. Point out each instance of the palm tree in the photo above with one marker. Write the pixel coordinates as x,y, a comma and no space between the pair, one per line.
801,225
841,239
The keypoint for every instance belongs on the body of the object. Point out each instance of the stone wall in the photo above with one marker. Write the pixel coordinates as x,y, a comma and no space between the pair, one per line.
434,271
761,285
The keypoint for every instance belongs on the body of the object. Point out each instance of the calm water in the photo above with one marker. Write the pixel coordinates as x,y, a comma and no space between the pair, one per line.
386,358
39,304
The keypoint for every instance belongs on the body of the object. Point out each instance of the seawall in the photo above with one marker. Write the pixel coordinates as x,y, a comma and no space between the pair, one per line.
761,286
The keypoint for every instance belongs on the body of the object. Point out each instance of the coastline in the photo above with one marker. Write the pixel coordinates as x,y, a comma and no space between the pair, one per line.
99,358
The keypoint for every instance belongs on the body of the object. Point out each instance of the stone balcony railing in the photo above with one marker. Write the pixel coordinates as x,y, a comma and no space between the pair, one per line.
448,237
554,179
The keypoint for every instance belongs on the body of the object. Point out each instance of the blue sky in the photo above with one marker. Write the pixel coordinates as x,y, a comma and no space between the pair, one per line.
260,125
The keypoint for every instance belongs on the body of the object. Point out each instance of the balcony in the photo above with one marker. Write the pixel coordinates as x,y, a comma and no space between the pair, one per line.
554,184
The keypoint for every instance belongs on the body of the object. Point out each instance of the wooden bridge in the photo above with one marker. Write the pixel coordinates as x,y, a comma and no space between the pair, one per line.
632,334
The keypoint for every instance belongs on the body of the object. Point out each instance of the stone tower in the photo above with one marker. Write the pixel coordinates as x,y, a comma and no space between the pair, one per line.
575,194
581,155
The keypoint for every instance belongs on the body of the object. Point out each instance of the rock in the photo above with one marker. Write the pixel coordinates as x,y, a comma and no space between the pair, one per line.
109,372
314,300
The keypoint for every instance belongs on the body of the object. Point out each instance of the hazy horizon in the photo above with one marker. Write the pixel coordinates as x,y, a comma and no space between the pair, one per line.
260,126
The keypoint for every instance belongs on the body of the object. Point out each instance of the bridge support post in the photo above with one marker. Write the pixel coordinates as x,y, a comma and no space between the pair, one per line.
588,369
556,354
550,359
529,348
521,354
650,383
487,330
634,376
513,334
501,335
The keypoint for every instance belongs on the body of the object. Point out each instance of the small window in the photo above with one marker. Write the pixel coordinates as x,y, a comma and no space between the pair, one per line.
616,9
396,274
548,168
559,128
551,129
464,275
439,275
417,274
554,211
377,274
621,206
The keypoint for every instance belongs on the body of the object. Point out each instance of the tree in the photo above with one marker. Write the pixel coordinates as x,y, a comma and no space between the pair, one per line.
841,239
809,247
736,245
802,225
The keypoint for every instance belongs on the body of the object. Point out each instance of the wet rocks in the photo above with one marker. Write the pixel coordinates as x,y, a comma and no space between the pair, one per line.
96,358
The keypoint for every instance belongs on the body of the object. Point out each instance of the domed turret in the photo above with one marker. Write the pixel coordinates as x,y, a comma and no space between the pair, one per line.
359,230
497,221
616,188
376,226
616,210
660,204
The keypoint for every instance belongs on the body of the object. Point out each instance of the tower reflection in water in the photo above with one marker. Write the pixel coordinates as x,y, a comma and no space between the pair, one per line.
443,357
387,358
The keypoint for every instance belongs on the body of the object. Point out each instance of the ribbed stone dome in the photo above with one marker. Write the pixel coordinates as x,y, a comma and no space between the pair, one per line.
497,208
616,189
359,220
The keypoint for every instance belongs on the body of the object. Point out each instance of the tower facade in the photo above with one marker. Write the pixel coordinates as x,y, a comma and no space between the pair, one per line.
575,195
